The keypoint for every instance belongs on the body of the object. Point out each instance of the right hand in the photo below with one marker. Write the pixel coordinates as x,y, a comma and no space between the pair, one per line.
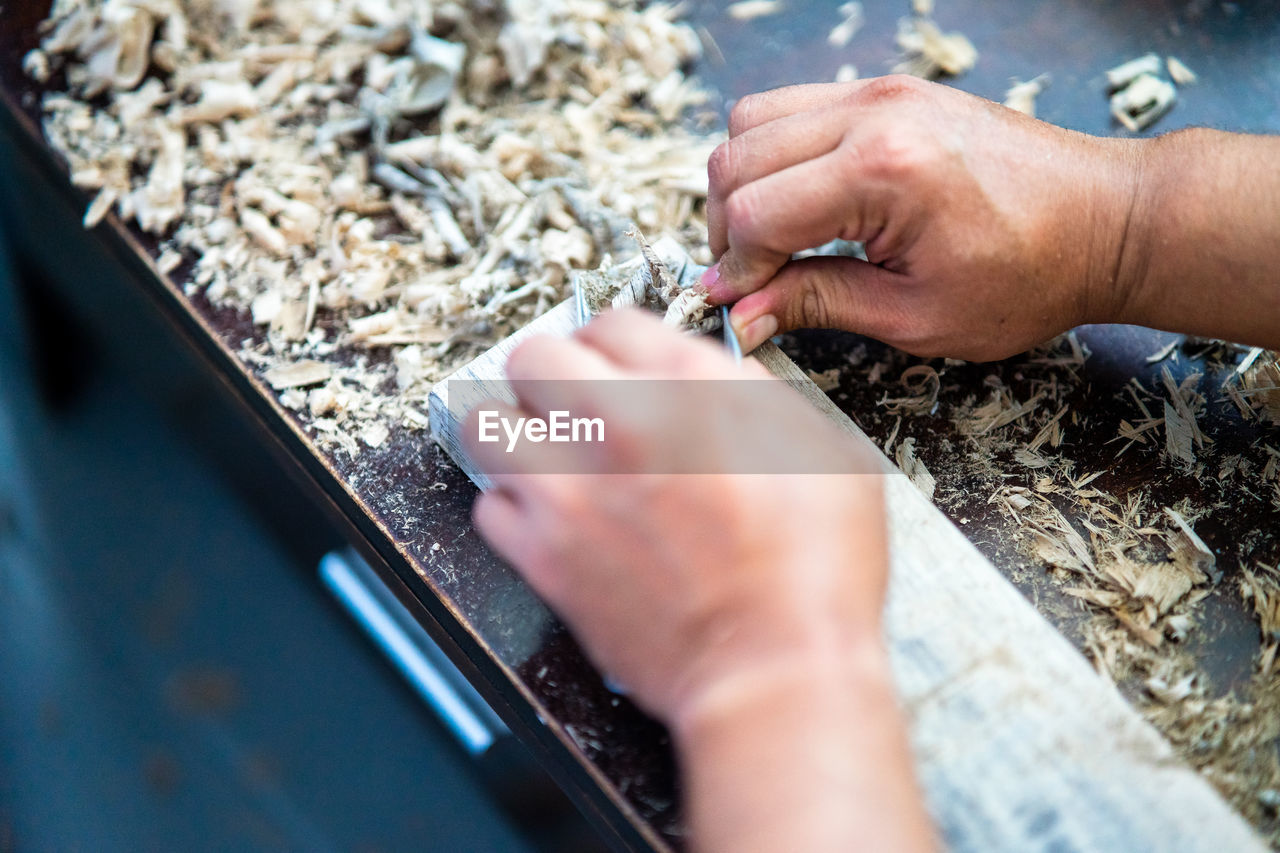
987,232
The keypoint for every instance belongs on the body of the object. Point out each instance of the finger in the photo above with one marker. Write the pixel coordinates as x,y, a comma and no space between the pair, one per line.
501,521
826,293
763,150
635,340
801,207
548,373
763,107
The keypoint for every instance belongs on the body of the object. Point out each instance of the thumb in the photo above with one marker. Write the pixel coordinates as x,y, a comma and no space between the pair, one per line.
739,272
823,293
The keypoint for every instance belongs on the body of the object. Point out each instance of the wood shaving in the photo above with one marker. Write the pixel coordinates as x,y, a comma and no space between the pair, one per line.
1139,95
930,53
1262,588
1179,73
914,468
749,10
1260,384
826,380
922,383
1000,410
1164,351
663,279
1022,96
1185,403
1177,436
298,374
1139,104
1124,74
851,20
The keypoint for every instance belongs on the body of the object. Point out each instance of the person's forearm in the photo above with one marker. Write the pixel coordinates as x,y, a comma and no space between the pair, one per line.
1203,250
810,758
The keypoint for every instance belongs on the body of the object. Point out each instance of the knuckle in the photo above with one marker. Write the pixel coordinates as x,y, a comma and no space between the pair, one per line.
811,309
720,167
742,210
743,114
897,155
889,88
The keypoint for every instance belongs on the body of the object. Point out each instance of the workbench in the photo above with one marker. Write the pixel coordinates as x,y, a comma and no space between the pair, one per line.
406,507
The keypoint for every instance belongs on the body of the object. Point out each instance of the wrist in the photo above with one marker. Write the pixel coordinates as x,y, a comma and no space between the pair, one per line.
783,685
1156,230
1126,186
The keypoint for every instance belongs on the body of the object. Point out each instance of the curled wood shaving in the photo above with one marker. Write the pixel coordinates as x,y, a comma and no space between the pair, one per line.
922,383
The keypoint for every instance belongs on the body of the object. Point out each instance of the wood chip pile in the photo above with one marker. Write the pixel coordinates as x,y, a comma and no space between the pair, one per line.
377,175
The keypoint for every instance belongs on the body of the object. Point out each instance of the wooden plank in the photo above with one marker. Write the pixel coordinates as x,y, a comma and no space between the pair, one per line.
1019,744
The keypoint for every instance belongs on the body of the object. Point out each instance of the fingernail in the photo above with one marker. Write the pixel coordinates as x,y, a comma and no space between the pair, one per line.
756,332
710,280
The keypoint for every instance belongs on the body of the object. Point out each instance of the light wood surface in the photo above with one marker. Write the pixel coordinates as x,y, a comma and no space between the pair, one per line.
1020,745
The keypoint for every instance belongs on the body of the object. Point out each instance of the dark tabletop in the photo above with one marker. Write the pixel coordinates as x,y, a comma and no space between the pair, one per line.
407,507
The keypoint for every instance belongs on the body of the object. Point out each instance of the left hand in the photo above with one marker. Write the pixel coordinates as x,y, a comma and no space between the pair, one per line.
680,585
